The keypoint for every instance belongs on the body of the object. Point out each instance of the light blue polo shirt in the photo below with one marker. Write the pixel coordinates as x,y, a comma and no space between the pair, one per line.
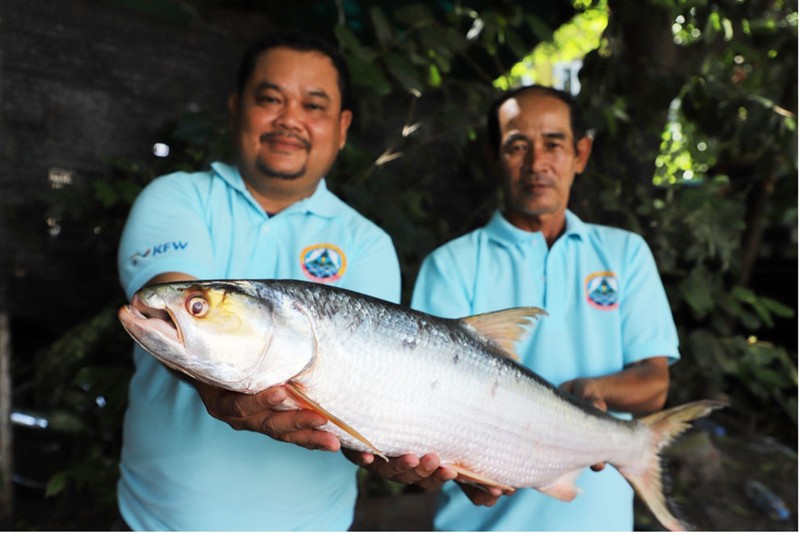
181,469
606,308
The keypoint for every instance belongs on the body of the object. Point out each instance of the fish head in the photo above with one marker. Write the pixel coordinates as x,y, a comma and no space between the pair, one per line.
218,332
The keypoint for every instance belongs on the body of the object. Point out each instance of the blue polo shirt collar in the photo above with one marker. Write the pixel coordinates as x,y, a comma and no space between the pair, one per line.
505,233
322,202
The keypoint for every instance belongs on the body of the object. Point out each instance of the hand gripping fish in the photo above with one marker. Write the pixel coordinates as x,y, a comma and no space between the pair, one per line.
391,381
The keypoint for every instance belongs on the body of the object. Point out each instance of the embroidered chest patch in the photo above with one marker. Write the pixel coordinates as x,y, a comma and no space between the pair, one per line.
602,290
323,262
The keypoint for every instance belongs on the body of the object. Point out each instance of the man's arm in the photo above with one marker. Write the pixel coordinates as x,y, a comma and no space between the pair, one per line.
640,388
258,412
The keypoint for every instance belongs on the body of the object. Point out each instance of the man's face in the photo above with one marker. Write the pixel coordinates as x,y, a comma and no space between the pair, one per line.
288,125
537,159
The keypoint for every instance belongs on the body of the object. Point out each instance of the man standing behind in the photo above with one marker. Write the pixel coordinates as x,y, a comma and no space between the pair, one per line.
269,215
609,321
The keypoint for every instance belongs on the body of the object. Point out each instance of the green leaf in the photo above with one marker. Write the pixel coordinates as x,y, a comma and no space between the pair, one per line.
348,41
434,77
516,44
368,75
104,192
744,294
763,314
777,308
56,484
383,30
128,190
540,28
713,28
404,72
697,293
413,14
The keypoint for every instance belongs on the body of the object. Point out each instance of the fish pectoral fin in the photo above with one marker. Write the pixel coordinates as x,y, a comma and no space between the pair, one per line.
471,477
505,327
306,402
564,487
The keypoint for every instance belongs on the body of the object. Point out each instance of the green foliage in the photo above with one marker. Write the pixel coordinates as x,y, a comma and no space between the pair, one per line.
570,42
700,156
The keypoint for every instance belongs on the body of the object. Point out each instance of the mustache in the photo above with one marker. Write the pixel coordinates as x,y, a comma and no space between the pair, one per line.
536,179
283,133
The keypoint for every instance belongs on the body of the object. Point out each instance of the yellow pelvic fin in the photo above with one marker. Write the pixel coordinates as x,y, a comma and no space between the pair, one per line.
306,402
471,477
505,327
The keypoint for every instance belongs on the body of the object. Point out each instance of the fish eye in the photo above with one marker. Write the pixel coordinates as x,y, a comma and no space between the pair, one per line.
198,307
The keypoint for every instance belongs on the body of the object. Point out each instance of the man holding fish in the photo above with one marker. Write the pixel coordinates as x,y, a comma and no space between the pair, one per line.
609,335
269,215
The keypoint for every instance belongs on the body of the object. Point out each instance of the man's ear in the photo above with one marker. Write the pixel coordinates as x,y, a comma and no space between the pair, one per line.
584,149
345,119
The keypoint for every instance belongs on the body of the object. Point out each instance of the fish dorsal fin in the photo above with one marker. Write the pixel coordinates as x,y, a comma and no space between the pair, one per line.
505,327
306,402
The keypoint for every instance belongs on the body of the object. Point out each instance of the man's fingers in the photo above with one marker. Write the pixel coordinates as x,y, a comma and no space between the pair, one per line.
312,439
400,469
282,423
481,495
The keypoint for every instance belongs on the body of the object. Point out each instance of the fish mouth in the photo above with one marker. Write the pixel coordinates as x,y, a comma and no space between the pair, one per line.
141,320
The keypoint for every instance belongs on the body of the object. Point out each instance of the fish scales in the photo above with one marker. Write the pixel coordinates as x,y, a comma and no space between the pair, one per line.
392,380
482,413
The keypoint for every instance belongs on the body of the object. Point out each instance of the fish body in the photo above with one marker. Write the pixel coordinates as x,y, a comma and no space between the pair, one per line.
392,381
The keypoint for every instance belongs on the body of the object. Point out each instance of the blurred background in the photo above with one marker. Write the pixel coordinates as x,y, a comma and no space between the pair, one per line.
693,106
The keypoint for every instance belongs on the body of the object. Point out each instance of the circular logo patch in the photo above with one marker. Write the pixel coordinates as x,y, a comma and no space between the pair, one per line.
602,290
323,262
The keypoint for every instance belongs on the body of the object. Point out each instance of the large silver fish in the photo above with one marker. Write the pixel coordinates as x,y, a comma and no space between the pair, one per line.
391,380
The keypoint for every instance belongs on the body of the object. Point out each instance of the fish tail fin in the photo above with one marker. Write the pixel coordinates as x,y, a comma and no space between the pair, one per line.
646,478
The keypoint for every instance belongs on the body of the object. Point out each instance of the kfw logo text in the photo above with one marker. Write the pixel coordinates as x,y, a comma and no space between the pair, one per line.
163,248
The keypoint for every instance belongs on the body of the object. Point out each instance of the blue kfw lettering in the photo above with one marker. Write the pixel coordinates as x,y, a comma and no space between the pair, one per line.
166,247
163,248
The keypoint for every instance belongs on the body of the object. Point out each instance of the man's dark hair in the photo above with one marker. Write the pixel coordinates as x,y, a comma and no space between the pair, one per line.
301,42
493,120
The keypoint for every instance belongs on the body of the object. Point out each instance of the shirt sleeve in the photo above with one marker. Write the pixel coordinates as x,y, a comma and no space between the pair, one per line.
376,272
165,231
439,289
648,328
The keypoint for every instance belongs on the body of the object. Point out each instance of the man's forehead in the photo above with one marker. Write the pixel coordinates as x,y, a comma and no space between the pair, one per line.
530,109
274,65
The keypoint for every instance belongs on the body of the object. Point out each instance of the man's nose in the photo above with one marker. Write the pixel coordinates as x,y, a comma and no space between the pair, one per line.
289,116
535,159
